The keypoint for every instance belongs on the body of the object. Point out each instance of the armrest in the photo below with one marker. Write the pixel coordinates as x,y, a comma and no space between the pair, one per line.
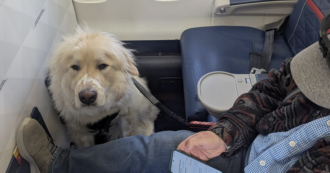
270,7
238,2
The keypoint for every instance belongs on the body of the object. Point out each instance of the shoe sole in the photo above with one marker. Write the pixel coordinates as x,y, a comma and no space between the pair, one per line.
22,150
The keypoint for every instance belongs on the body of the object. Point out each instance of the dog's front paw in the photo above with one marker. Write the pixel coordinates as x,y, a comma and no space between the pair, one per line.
80,135
84,140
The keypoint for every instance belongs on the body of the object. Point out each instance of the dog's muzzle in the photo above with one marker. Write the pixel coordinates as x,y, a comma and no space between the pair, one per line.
88,96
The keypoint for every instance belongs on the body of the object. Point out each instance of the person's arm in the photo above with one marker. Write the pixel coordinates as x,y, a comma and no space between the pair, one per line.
316,159
236,127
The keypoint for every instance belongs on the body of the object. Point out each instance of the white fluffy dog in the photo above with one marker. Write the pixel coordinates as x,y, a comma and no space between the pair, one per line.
90,75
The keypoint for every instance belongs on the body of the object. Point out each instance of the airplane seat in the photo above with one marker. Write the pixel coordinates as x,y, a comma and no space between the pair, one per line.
227,48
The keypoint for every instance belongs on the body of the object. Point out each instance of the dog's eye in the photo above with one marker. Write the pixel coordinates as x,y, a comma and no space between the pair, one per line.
102,66
75,67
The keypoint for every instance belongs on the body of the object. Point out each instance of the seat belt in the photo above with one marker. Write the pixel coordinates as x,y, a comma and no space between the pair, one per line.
157,103
294,92
262,60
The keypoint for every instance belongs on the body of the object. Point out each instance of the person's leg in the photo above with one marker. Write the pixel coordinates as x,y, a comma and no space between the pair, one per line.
137,154
132,154
35,146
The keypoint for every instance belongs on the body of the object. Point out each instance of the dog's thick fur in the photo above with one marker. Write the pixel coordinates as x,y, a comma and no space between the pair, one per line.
87,50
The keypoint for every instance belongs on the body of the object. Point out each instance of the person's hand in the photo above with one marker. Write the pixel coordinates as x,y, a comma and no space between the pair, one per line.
203,145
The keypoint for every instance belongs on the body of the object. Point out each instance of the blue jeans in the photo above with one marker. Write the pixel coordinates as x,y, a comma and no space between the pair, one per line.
133,155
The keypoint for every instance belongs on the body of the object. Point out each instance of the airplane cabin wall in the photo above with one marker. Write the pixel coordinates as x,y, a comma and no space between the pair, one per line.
29,29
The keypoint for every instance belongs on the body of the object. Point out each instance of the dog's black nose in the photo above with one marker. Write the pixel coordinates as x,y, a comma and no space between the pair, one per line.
88,96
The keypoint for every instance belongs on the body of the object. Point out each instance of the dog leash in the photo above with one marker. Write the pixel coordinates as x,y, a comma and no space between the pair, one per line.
157,103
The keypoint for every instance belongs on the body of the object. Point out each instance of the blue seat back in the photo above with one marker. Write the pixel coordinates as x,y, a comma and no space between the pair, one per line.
304,23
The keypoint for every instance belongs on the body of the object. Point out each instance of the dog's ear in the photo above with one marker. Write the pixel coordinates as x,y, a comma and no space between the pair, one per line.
132,68
121,50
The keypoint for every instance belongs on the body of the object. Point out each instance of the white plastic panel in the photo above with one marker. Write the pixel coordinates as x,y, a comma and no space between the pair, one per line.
144,19
255,15
283,7
221,4
25,47
161,20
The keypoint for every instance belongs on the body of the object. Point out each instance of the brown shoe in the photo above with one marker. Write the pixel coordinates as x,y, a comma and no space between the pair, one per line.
35,146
